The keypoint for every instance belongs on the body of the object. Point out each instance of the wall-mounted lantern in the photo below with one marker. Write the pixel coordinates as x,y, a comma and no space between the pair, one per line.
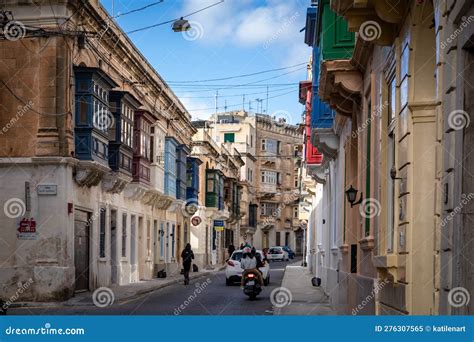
351,195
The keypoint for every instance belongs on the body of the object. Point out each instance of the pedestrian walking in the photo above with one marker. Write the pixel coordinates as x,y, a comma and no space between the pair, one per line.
187,255
230,250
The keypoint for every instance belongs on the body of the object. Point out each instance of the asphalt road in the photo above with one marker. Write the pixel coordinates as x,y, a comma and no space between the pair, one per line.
201,297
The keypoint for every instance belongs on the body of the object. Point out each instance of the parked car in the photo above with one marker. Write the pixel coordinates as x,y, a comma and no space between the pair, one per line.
290,252
233,271
277,253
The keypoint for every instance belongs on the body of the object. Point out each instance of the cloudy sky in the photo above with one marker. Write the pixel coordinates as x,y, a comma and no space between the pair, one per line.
233,38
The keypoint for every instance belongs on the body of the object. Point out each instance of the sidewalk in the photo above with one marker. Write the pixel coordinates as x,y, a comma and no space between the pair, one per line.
123,292
306,299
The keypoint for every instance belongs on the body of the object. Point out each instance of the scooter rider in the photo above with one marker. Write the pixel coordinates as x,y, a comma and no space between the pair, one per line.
249,265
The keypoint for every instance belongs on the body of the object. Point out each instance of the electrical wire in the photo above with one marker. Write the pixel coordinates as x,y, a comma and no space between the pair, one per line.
173,20
137,9
230,86
235,95
239,76
240,104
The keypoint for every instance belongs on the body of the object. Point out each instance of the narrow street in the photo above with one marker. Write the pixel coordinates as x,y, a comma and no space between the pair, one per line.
215,299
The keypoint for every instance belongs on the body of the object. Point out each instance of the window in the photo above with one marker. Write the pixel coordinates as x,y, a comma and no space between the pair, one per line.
270,145
148,238
82,112
269,209
279,178
251,140
278,239
287,238
102,215
297,183
269,177
124,235
295,212
278,148
127,125
252,215
145,139
229,137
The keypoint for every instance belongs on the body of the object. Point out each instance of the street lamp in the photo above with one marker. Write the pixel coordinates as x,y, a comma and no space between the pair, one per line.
181,25
351,195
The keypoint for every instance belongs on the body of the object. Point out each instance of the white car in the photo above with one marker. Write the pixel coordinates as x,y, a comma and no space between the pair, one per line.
233,271
277,253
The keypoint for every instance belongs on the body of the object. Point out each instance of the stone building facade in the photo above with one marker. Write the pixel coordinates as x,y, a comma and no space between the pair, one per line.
399,135
93,156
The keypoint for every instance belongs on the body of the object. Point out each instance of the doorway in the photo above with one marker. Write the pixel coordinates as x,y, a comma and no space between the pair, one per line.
81,250
113,245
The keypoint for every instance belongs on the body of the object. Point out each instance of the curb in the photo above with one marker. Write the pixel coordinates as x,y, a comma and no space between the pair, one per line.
137,294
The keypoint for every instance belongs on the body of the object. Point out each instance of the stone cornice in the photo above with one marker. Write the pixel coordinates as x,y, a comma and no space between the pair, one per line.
340,85
383,17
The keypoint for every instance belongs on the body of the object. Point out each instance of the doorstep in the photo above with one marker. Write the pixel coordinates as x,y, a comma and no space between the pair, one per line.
123,293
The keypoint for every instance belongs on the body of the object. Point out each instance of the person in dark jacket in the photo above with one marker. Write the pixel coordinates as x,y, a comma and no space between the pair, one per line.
230,250
187,255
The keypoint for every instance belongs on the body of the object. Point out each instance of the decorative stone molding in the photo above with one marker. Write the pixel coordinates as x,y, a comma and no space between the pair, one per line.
388,14
318,172
344,248
135,191
248,230
89,173
388,265
115,182
326,141
163,202
340,85
367,243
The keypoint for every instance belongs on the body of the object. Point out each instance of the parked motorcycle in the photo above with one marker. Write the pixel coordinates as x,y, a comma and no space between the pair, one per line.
252,286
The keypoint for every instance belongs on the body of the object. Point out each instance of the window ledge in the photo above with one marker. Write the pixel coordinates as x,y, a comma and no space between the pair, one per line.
103,260
334,250
344,248
367,243
386,261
